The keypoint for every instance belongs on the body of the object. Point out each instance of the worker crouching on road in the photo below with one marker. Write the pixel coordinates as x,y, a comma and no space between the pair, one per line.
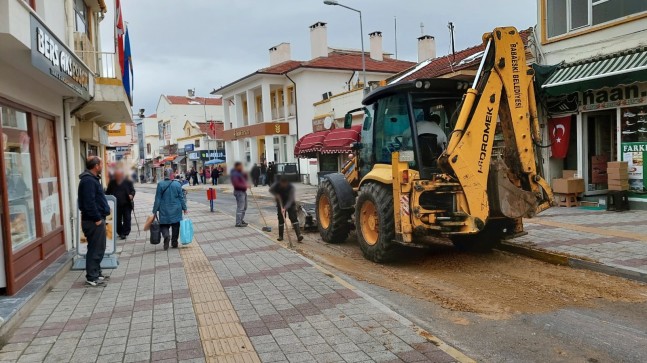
283,191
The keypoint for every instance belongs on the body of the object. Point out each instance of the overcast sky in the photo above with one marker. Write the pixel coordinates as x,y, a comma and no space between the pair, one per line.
204,44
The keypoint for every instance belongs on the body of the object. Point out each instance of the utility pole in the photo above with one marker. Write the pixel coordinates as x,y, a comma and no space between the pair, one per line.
395,33
450,25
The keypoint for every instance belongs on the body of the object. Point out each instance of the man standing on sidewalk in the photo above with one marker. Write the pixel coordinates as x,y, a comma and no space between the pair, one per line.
170,203
256,174
94,210
239,181
124,191
283,191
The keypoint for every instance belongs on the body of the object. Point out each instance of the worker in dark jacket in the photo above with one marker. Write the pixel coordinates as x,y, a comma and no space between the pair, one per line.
283,191
94,210
239,182
256,174
124,191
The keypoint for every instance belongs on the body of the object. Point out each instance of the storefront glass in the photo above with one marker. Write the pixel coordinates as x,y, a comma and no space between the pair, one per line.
48,179
601,147
18,160
634,145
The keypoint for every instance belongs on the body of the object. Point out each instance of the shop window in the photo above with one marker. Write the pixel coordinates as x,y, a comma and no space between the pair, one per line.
197,143
148,148
564,16
48,178
18,176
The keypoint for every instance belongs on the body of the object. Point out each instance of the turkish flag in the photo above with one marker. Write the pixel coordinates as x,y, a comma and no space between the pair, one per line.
212,127
559,129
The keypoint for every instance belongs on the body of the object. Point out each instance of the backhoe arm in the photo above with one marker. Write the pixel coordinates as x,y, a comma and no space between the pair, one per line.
502,95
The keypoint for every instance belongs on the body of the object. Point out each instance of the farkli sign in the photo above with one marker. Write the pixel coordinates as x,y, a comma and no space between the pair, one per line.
52,57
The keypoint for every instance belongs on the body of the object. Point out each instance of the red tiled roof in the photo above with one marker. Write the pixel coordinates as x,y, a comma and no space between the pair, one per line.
353,61
183,100
461,60
281,67
152,116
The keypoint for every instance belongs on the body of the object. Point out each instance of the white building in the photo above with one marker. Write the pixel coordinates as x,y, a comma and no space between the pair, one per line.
599,87
180,146
58,92
267,111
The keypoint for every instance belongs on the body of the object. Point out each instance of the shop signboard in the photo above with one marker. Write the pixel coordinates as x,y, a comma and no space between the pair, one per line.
53,58
212,154
194,156
189,147
606,98
110,258
635,154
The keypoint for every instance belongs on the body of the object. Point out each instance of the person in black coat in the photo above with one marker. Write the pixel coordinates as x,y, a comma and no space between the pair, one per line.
256,174
123,190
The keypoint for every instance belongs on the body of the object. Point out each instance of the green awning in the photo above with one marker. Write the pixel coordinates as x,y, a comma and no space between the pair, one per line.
607,71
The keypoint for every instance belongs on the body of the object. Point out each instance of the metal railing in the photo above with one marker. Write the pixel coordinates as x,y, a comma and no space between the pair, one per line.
259,117
102,64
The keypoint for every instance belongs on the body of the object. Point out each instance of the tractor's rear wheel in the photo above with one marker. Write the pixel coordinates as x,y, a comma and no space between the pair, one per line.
333,221
484,241
375,223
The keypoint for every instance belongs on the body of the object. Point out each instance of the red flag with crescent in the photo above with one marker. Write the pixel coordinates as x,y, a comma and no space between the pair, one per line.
559,129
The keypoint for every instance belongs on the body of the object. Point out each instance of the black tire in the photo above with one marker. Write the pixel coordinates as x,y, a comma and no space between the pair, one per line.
484,241
339,226
381,196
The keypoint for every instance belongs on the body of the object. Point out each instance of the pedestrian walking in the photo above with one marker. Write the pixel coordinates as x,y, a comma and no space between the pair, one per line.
256,174
194,176
239,181
284,193
170,203
215,174
202,179
94,210
124,191
206,175
270,173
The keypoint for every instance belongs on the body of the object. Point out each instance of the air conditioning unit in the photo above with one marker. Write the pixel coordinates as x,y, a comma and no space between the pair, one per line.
326,95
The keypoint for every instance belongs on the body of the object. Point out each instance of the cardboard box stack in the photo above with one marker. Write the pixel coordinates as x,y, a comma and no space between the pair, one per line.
618,173
568,183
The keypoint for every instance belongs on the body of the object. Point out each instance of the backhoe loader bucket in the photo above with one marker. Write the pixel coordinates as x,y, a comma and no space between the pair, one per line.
505,198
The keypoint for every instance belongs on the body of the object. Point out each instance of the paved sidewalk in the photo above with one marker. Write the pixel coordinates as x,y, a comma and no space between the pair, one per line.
232,295
614,239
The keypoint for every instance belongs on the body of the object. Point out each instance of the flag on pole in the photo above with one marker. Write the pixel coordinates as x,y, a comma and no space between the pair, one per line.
212,127
119,32
128,79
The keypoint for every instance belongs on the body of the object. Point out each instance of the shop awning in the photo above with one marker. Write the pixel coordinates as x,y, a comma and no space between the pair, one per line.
606,71
309,145
157,164
178,159
169,158
340,141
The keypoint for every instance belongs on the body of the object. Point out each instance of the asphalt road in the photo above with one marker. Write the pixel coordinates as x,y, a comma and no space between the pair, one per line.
605,331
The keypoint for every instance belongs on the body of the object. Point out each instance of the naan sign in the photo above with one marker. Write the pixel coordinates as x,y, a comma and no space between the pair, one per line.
52,57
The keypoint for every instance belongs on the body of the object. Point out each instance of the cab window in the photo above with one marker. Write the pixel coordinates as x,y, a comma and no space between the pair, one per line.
391,126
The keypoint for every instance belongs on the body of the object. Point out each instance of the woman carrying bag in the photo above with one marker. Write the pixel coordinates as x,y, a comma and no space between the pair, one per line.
169,203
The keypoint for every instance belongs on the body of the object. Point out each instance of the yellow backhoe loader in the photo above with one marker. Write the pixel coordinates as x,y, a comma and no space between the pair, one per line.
407,179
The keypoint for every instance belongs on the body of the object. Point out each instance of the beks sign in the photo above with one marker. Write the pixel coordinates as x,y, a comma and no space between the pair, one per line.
53,58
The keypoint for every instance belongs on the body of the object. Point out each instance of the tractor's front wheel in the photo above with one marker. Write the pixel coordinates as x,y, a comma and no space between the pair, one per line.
333,221
375,223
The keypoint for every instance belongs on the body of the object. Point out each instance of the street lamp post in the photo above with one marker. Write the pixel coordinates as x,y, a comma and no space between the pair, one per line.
361,30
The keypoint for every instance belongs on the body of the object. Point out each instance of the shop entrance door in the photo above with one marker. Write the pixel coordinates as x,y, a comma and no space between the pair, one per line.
600,143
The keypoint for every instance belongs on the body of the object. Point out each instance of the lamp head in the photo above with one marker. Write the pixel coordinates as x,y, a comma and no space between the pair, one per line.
331,2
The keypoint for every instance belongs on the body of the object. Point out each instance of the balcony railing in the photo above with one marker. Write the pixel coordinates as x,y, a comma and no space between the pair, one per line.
102,64
292,111
259,117
278,113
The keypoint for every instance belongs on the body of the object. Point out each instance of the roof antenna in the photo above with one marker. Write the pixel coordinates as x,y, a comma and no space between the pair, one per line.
450,25
395,31
422,29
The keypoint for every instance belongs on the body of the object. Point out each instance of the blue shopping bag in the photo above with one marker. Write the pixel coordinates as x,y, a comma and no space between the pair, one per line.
186,231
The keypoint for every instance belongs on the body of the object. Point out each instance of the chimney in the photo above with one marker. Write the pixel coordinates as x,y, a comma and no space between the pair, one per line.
318,40
426,48
280,53
376,46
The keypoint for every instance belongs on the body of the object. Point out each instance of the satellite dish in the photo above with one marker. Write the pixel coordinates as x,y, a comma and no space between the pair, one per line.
328,122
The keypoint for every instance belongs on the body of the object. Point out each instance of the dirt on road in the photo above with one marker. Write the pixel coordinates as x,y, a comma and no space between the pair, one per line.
494,285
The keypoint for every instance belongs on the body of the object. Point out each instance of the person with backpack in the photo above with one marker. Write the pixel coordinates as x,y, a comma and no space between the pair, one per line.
170,203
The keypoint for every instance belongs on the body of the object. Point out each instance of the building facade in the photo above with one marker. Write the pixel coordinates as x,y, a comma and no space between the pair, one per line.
596,91
58,91
267,111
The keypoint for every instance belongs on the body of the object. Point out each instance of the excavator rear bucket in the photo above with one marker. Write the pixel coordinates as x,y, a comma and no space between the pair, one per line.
505,198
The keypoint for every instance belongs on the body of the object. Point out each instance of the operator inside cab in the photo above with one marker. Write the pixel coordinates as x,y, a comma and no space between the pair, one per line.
430,134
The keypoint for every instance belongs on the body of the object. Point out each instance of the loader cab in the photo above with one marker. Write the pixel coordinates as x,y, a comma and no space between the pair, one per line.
413,118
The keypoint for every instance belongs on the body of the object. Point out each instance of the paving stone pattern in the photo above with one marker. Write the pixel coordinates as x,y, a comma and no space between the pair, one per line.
233,294
628,249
